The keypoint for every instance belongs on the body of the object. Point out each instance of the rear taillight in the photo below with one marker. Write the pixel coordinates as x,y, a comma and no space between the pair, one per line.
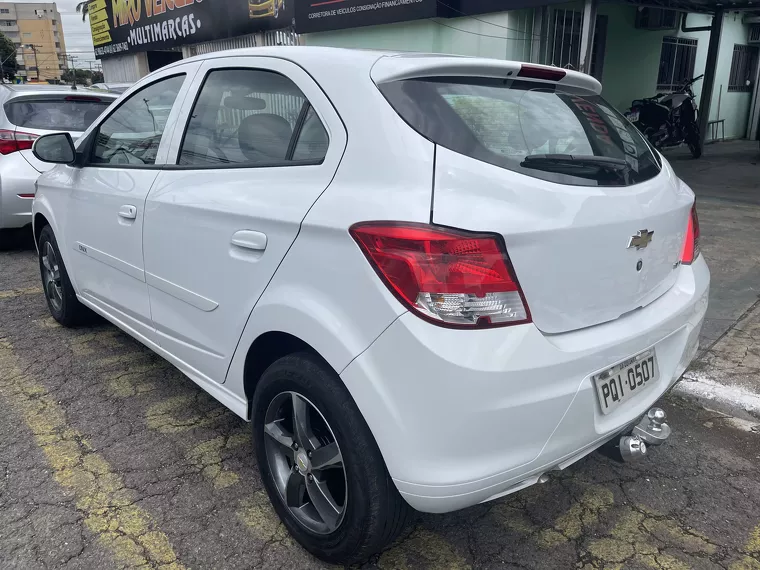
691,243
450,277
11,141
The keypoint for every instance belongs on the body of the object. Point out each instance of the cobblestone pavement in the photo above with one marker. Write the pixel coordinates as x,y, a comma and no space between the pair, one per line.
110,458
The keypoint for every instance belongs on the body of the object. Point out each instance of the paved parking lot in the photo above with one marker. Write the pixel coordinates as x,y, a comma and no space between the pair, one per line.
110,458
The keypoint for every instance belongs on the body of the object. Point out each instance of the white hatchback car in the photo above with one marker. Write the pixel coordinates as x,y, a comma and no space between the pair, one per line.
429,281
26,112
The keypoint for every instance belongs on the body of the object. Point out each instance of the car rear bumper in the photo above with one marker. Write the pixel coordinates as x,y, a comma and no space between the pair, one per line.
463,417
17,180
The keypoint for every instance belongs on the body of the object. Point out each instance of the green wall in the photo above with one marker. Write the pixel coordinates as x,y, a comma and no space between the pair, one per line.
633,56
631,60
507,36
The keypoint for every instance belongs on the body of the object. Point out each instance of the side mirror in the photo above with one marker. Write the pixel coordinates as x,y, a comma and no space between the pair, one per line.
57,148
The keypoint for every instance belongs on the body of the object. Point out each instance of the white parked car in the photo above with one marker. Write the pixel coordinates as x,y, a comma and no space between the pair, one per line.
428,281
26,112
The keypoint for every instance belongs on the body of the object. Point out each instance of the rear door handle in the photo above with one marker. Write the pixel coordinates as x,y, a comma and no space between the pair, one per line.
128,212
249,239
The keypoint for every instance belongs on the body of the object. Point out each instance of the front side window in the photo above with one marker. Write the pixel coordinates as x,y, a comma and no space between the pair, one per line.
254,118
131,135
553,133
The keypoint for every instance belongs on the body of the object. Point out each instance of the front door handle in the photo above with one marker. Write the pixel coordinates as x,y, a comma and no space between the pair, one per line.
128,212
249,239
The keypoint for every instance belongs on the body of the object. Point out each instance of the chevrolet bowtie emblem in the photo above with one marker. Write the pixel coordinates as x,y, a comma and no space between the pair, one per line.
641,239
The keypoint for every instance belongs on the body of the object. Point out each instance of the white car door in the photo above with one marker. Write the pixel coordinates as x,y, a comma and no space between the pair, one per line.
104,215
261,143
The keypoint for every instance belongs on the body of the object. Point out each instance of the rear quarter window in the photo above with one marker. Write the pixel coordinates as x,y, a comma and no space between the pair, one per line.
506,121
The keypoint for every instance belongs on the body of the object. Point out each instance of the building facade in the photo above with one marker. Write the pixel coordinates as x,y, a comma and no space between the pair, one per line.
37,33
635,50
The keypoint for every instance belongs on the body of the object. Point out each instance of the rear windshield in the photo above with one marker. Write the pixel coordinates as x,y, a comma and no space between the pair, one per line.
55,114
557,134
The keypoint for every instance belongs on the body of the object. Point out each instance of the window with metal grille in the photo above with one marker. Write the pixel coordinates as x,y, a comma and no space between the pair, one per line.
565,41
676,63
743,68
656,18
754,34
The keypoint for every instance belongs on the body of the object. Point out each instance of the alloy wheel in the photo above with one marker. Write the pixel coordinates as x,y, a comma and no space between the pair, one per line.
51,276
305,462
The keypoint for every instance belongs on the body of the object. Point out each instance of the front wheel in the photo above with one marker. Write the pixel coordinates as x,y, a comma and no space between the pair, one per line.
321,465
59,292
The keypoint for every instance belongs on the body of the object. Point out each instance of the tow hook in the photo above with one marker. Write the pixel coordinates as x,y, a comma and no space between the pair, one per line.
651,430
652,427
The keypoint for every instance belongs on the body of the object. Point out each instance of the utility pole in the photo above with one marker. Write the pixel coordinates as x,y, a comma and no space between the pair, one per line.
71,58
34,47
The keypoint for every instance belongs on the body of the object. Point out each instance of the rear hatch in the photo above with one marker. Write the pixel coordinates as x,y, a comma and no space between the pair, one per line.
35,114
536,155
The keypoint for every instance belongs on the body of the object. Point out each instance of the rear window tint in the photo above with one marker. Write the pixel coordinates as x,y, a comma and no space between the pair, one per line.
58,114
503,121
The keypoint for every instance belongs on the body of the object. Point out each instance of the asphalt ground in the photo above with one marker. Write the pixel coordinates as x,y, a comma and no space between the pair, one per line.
110,458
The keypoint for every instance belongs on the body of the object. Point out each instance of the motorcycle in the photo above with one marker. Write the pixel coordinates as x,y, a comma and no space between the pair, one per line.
669,119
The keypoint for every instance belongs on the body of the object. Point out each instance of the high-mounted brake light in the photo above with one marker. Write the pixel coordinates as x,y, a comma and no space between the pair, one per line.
449,277
536,72
691,242
11,141
83,98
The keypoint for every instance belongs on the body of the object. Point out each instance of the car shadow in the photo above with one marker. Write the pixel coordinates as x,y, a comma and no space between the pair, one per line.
21,239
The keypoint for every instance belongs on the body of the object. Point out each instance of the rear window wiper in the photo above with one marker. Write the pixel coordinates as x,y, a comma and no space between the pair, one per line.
579,159
565,162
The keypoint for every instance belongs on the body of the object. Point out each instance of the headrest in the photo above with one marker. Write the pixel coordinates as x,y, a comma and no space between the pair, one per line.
264,137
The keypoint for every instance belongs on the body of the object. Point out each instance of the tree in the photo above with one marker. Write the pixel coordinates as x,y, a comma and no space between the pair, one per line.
8,57
84,8
97,77
84,76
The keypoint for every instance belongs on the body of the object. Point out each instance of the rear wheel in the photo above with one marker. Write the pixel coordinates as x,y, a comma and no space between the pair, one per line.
59,292
320,464
693,142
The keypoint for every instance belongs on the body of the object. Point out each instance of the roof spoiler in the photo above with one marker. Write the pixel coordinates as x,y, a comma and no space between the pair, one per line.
409,66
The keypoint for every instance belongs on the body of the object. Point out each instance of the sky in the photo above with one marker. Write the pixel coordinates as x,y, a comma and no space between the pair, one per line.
75,32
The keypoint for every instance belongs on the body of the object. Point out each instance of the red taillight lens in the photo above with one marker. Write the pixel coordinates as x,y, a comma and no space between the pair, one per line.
691,243
11,141
447,276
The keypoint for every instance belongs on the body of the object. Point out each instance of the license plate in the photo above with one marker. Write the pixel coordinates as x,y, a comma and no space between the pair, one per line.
623,381
633,116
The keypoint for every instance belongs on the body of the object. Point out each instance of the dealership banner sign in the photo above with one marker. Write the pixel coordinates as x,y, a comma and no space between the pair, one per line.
322,15
123,26
325,15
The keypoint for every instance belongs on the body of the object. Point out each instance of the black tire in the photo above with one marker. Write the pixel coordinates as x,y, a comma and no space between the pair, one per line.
375,513
69,311
692,140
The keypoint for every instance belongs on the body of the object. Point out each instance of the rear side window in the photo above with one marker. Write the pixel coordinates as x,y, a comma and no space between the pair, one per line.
564,136
63,113
252,117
